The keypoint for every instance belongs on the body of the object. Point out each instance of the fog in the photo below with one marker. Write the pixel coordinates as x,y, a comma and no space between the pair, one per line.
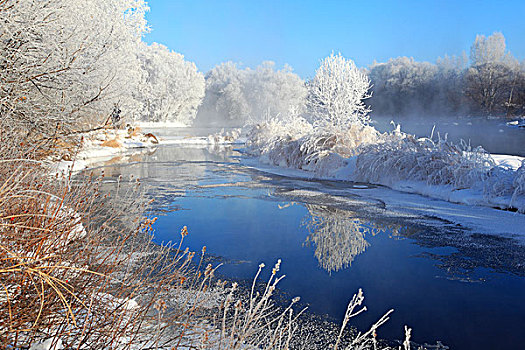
493,134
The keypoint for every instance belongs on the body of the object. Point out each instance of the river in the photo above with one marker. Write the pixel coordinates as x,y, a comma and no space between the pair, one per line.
453,273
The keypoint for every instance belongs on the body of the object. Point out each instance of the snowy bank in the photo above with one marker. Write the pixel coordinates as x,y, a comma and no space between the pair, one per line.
433,168
102,144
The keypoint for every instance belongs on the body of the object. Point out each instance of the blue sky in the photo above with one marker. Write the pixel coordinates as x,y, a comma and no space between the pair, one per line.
301,32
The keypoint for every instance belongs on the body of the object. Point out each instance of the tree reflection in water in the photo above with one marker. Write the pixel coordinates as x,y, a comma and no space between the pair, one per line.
339,236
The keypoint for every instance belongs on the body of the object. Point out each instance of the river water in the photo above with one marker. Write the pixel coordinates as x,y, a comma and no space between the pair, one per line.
451,280
493,134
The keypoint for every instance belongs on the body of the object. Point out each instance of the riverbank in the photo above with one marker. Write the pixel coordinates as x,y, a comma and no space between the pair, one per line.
412,251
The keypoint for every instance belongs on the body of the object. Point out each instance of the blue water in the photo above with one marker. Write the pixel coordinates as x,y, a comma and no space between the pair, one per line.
462,293
491,133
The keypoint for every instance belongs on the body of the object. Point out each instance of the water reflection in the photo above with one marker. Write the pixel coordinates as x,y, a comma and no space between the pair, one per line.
234,211
166,173
339,235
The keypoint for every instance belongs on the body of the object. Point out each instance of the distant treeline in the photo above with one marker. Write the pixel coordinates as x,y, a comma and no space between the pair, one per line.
493,83
489,82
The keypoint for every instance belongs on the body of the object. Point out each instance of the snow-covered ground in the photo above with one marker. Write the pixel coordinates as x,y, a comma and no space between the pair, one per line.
456,173
474,195
104,144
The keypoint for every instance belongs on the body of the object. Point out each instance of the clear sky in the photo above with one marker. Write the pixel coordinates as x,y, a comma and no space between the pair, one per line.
301,32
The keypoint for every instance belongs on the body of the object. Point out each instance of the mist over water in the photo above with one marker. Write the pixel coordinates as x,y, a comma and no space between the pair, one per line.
494,135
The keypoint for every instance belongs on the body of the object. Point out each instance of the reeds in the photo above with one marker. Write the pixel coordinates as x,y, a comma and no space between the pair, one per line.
78,268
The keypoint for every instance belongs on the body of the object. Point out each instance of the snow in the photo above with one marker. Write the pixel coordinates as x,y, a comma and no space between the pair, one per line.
104,144
173,124
433,168
508,161
114,302
48,344
404,200
78,231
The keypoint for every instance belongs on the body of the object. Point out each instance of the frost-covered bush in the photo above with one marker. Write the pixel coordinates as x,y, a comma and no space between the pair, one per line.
277,140
519,185
437,163
173,88
295,143
402,157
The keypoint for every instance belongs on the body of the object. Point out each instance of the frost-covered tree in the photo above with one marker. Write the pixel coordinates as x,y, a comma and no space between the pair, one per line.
224,99
518,93
488,49
449,84
402,85
235,96
66,62
488,86
491,79
173,88
274,92
336,94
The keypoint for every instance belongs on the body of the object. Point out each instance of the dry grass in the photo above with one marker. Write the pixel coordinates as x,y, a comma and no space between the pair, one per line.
112,143
78,268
